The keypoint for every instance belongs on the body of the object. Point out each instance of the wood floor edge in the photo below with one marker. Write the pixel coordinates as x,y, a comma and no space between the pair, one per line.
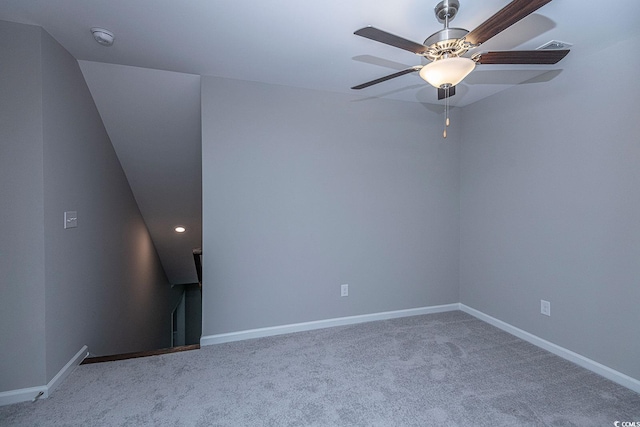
100,359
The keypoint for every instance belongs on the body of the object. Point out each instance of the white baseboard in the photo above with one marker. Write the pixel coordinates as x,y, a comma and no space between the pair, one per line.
578,359
22,395
42,392
67,369
321,324
598,368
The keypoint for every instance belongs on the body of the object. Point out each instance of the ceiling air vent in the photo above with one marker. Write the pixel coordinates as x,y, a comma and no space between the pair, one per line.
555,45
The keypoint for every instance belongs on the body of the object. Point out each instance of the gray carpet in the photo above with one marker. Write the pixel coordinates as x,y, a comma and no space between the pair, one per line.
446,369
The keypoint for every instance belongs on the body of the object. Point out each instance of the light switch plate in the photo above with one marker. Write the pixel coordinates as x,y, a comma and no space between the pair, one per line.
70,219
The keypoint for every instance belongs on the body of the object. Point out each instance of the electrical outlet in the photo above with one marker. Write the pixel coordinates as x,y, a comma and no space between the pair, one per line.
344,290
545,307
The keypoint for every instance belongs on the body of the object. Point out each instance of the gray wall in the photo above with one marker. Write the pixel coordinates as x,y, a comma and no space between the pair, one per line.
193,308
22,295
550,207
306,190
100,284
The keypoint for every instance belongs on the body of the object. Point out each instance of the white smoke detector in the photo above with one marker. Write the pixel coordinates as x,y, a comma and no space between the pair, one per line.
102,36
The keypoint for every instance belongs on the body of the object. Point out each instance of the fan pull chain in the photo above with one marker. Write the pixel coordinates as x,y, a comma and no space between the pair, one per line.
446,111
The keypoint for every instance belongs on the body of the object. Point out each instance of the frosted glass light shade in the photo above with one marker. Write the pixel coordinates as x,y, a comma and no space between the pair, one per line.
448,71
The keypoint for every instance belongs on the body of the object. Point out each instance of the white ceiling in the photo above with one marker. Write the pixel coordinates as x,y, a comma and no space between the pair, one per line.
307,44
150,109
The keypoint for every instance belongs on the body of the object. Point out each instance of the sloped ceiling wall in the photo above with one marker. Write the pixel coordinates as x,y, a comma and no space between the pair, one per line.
153,120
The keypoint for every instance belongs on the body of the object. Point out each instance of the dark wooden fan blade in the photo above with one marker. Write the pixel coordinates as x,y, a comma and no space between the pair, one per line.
503,19
390,39
522,57
442,93
385,78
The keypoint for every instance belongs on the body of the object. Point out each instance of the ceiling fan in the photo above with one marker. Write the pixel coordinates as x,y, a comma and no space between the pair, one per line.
446,48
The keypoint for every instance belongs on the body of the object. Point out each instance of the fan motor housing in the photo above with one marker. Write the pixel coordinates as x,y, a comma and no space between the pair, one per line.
446,42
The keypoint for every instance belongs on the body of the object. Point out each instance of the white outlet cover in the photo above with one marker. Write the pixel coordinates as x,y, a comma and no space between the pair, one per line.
344,290
545,307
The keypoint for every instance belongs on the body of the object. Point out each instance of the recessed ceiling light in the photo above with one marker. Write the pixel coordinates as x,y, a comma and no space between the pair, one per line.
102,36
180,229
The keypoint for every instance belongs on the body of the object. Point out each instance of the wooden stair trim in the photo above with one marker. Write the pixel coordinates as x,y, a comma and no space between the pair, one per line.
101,359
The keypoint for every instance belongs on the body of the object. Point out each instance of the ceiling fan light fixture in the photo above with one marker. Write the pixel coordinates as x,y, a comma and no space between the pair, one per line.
447,72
